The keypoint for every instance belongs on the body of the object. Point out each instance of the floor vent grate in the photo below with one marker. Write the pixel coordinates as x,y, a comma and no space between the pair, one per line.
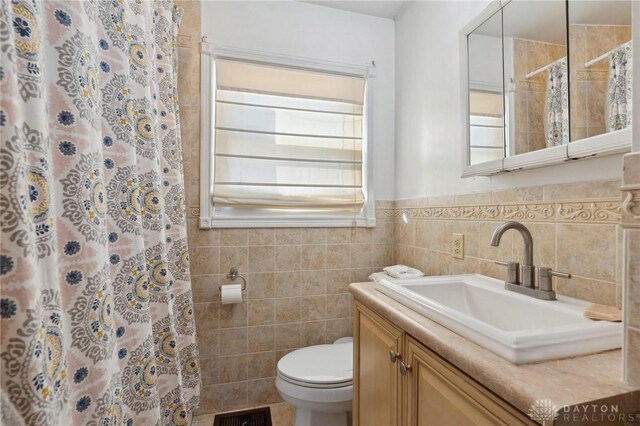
255,417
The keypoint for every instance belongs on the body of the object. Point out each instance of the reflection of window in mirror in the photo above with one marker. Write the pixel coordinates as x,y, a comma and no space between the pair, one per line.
600,62
486,110
536,78
486,132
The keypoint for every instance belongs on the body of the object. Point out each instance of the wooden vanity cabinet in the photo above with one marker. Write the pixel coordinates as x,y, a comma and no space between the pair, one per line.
377,383
418,387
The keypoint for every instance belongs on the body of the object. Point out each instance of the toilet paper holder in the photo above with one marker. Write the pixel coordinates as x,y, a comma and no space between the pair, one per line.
233,275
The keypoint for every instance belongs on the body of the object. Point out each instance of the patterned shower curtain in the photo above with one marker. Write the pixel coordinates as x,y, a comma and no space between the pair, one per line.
619,99
557,105
96,307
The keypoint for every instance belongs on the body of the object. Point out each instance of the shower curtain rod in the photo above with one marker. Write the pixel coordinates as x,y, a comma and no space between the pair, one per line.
539,70
604,55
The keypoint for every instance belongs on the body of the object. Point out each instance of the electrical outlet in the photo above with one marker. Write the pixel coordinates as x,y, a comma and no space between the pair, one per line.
457,246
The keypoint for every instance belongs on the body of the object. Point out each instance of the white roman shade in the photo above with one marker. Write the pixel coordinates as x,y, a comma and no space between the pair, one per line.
287,138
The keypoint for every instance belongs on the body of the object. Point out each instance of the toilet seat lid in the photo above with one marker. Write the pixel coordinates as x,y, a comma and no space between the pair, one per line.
320,364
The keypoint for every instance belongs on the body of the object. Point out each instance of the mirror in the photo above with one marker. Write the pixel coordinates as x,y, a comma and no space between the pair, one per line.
542,75
486,105
535,67
600,63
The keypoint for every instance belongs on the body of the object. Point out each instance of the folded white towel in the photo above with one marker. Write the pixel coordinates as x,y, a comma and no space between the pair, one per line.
403,272
378,276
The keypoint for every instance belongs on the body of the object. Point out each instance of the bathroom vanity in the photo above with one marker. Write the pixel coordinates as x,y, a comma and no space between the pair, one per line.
409,370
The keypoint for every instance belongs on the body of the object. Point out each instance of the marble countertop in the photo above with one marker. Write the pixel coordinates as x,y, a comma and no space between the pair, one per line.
566,382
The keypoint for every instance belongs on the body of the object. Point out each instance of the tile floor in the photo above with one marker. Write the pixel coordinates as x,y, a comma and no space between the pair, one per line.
281,415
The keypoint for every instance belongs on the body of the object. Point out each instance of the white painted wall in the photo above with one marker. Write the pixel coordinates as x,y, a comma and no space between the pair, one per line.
321,33
429,143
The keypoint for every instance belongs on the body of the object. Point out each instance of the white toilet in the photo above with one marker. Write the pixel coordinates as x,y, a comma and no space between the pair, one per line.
318,382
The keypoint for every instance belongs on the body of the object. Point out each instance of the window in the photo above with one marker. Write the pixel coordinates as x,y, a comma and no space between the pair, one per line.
283,144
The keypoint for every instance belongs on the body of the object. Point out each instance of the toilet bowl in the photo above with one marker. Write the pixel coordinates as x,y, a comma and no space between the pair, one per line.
318,382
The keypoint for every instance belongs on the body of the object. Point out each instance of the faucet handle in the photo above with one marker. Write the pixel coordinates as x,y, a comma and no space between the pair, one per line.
544,277
513,271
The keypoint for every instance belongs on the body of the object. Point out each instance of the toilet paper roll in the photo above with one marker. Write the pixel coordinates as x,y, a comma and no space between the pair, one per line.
231,293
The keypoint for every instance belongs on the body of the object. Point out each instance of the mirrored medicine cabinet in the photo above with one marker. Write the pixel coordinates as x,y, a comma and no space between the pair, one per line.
545,82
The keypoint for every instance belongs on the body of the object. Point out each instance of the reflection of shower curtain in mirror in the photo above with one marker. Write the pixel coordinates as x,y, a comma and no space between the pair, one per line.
619,92
557,107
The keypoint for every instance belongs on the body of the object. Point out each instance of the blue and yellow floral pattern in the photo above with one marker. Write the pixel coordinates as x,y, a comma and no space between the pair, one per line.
94,262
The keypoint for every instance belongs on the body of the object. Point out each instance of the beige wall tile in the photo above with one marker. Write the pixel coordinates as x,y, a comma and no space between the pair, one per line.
261,365
337,280
209,371
261,237
383,232
233,341
231,396
287,258
233,237
233,257
632,361
336,329
287,236
261,338
313,236
260,285
518,195
313,257
473,198
262,391
596,257
361,275
601,292
233,315
261,312
202,237
312,282
287,310
382,255
312,333
233,368
339,256
312,308
338,236
544,245
337,305
361,255
633,280
582,190
287,336
288,284
205,288
204,260
361,235
262,258
208,342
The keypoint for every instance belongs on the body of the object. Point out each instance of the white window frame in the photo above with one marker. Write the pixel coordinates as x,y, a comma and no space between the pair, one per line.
211,217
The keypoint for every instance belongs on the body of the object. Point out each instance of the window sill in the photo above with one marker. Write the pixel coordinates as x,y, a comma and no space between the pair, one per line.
287,222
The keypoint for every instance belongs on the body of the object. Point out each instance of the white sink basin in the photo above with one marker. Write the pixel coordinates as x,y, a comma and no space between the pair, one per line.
519,328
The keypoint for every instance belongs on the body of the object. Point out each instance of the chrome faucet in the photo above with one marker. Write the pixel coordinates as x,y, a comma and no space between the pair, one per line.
544,288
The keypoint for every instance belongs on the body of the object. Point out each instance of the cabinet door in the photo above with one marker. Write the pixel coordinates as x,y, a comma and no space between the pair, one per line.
437,394
377,389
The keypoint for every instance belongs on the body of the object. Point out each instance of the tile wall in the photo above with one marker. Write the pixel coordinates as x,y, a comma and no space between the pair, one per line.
575,229
631,266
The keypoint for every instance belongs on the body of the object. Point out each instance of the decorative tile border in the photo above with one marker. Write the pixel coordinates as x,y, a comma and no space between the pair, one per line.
602,211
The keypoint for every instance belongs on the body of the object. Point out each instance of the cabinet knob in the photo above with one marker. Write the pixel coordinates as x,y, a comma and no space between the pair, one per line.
394,356
405,368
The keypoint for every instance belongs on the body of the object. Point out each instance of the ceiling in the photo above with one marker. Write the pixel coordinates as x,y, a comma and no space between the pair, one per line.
381,9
